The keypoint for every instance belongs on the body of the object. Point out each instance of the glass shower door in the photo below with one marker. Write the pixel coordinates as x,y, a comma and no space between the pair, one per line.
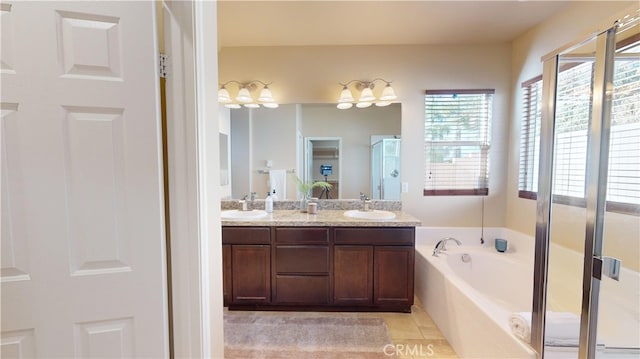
587,283
618,322
385,169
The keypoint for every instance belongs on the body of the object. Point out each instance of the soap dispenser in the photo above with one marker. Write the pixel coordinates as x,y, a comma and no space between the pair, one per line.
268,203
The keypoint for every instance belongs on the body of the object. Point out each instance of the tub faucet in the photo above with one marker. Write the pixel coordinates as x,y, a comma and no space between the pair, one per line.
441,245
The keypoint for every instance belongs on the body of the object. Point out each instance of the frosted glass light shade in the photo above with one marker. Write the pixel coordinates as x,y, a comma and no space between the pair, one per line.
265,95
388,94
223,95
251,105
364,104
366,95
244,95
270,105
345,95
383,103
345,105
232,106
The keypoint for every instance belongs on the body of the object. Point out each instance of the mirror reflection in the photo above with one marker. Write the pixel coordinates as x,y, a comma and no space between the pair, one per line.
224,159
356,150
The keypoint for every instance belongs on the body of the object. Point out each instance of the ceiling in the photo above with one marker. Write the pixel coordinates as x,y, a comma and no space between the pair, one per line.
318,23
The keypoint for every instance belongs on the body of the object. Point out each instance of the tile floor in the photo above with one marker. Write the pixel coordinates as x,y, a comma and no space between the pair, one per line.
418,333
414,334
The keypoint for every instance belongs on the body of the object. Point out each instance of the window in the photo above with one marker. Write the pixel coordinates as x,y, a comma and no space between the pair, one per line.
530,137
456,142
572,121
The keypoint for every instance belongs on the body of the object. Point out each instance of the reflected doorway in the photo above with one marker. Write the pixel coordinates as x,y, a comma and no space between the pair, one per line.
323,162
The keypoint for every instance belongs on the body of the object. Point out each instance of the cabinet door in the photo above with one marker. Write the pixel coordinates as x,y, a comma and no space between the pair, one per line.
251,266
226,274
393,275
353,275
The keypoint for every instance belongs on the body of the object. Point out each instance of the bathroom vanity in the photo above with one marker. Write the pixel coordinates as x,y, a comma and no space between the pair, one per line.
327,262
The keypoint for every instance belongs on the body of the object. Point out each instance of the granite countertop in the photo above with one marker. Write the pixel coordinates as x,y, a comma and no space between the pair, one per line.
328,218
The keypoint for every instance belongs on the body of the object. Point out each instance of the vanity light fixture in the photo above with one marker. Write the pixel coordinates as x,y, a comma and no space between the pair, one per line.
244,97
367,97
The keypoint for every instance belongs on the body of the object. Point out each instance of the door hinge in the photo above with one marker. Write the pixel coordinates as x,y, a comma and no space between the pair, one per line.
607,266
162,60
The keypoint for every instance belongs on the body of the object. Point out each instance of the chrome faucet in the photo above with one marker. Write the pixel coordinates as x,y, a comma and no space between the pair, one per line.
253,196
441,245
243,202
366,202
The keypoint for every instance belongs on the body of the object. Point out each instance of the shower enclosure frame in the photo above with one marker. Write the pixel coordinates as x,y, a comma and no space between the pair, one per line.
595,191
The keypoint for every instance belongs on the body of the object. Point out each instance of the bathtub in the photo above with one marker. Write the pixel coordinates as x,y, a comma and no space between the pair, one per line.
470,301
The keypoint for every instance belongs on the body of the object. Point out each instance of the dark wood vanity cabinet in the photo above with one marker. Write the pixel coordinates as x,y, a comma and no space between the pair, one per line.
374,266
319,268
353,275
301,266
247,265
393,275
226,274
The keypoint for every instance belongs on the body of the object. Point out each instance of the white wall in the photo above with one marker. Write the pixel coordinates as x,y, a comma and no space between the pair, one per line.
568,223
312,74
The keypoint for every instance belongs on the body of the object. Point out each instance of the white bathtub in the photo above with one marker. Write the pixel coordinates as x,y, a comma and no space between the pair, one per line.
471,302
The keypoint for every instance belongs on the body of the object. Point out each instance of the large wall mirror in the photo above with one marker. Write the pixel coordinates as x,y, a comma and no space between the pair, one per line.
356,150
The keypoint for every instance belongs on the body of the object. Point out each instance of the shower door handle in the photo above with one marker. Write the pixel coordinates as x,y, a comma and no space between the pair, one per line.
608,266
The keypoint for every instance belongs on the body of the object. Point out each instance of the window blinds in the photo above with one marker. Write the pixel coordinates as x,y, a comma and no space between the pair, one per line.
456,142
530,137
573,111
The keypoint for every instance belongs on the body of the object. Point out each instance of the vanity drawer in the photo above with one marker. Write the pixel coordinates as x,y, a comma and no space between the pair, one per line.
292,289
398,236
246,235
306,235
302,259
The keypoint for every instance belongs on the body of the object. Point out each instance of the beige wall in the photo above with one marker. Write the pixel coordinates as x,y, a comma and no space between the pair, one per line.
568,223
311,75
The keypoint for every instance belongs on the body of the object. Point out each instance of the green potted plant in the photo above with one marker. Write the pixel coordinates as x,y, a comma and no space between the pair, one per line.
305,189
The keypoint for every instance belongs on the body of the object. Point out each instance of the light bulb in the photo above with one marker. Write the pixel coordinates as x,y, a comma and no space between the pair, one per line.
345,105
364,104
251,105
232,106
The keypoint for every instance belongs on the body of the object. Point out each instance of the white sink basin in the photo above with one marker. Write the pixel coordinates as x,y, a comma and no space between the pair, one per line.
236,214
375,214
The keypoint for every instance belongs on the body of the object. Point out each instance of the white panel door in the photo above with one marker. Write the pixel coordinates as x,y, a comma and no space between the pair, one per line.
83,259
